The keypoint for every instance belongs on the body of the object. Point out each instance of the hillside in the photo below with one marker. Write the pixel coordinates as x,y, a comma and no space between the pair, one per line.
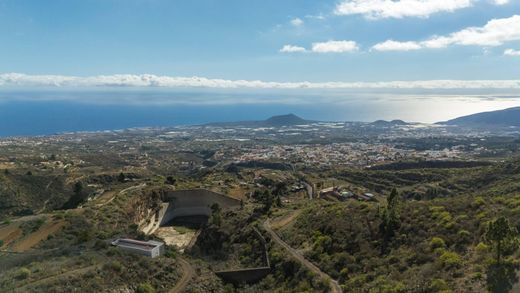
384,123
274,121
500,118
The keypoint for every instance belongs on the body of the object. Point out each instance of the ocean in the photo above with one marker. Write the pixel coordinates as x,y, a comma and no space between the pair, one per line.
43,112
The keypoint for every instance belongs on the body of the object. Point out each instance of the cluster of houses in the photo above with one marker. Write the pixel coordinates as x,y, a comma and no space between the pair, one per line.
342,195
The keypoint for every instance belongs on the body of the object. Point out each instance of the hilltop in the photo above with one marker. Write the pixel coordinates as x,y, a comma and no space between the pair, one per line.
500,118
384,123
274,121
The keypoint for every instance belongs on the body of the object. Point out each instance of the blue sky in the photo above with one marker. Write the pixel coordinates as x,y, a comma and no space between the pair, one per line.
418,60
238,39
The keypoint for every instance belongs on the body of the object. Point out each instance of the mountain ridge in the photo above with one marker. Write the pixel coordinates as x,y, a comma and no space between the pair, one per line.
498,118
273,121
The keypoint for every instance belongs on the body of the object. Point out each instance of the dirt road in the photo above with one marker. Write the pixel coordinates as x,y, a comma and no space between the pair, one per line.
189,272
76,272
334,286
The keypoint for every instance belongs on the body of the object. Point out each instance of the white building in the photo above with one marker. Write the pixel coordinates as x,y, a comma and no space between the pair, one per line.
149,248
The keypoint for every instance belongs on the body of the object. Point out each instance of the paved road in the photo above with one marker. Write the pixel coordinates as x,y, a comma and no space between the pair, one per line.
334,286
189,272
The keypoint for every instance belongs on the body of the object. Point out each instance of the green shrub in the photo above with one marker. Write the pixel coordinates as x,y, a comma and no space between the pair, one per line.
482,248
145,288
31,226
437,242
463,233
437,285
100,244
171,253
23,273
113,266
451,260
479,201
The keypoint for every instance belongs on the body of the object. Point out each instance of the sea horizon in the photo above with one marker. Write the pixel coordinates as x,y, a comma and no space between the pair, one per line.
33,113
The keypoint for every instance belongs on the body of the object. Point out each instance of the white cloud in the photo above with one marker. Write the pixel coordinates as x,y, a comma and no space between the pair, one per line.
318,16
392,45
377,9
292,49
511,52
495,33
500,2
335,47
297,22
154,81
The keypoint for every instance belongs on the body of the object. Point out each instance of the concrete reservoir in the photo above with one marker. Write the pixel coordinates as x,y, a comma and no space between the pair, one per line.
149,248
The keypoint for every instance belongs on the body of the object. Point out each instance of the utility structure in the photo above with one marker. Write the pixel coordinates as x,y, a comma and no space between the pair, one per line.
149,248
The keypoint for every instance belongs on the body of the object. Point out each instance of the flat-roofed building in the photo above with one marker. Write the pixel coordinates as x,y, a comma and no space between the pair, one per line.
149,248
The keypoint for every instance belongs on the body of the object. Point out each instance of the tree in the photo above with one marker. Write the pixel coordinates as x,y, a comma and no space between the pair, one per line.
78,187
267,200
390,221
280,188
170,180
502,235
121,177
216,217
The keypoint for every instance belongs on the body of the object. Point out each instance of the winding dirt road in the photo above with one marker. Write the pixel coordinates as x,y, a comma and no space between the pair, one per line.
189,272
334,286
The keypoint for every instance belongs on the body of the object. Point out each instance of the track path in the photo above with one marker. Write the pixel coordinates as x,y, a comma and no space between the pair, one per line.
189,272
334,286
76,272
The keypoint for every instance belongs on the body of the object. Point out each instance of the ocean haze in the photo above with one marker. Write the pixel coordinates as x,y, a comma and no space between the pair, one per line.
41,112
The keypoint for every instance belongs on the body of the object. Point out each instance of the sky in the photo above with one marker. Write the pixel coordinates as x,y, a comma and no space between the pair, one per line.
236,39
442,47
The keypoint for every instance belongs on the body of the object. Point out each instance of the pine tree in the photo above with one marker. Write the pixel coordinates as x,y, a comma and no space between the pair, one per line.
216,217
502,235
390,221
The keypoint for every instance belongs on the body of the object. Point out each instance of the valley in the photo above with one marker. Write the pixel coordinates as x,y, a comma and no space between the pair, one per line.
291,207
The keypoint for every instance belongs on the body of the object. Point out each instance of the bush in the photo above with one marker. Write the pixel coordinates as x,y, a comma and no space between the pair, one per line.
100,244
482,248
437,242
113,266
31,226
145,288
23,273
437,285
451,260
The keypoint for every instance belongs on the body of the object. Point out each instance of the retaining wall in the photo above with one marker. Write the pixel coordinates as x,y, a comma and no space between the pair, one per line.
249,275
196,202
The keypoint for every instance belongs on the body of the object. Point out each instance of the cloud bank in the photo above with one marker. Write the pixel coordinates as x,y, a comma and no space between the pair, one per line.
292,49
500,2
335,47
378,9
323,47
494,33
392,45
9,80
511,52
